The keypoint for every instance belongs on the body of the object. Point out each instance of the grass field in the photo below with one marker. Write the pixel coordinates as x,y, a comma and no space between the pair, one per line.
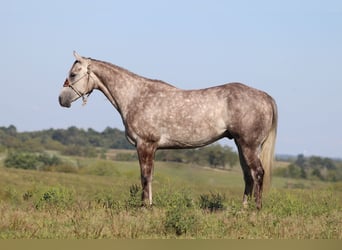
100,201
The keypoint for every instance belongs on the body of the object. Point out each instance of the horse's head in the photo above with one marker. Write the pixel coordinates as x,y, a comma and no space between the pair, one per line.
78,83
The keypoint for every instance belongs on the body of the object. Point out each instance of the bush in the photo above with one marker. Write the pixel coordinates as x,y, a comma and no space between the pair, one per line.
21,160
180,218
166,198
57,197
48,160
212,202
134,200
26,160
106,200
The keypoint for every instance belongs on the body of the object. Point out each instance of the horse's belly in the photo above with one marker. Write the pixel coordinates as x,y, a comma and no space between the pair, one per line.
190,136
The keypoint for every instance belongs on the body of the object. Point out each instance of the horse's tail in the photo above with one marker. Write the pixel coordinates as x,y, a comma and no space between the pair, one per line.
267,148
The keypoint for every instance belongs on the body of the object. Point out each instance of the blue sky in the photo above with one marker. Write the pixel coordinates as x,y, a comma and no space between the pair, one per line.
290,49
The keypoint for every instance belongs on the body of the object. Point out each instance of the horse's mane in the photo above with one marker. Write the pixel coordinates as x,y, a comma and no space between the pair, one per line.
114,67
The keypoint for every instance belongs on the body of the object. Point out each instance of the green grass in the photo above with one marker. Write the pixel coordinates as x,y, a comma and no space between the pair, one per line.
96,202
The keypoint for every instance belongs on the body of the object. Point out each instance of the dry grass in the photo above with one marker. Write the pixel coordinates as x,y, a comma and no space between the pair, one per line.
83,221
48,205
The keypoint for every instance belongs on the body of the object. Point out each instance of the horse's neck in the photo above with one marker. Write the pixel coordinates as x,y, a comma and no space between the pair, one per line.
121,87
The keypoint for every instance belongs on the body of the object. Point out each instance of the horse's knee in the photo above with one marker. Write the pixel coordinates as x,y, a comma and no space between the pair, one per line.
144,180
145,183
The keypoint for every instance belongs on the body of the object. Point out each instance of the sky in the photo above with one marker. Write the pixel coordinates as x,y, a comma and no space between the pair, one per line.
290,49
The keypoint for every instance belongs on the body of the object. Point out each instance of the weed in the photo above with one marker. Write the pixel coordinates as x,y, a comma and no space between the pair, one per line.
12,195
27,195
179,220
180,217
107,200
57,197
166,198
212,202
134,199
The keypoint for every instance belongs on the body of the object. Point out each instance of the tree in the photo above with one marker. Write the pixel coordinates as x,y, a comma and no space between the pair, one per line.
316,172
216,156
294,171
300,161
329,164
11,130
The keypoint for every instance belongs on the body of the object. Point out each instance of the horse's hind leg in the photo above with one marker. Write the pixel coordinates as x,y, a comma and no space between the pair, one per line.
249,182
253,173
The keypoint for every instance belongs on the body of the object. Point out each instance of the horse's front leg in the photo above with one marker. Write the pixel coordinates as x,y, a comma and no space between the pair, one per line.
146,153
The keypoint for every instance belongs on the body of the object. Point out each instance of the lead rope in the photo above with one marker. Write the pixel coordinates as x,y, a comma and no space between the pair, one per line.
85,98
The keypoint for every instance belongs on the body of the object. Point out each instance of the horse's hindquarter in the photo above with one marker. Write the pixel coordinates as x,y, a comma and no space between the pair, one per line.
250,113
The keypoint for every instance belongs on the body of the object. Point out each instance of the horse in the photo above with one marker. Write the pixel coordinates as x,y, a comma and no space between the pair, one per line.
157,115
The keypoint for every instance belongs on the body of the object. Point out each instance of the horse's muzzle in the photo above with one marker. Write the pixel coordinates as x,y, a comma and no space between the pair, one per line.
64,102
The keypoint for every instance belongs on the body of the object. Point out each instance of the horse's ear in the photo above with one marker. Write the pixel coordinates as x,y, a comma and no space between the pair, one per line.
77,56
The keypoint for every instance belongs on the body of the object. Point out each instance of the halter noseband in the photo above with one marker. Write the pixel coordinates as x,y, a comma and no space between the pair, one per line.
70,85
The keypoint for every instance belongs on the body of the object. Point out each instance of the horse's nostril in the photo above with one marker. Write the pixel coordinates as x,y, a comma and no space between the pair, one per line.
66,83
63,102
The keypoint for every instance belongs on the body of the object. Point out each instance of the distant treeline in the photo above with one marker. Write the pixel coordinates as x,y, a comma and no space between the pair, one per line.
313,167
90,143
29,150
57,139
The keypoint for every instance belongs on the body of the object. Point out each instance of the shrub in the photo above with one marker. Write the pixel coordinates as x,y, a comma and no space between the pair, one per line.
134,200
58,197
21,160
169,199
48,160
212,202
180,218
24,160
106,200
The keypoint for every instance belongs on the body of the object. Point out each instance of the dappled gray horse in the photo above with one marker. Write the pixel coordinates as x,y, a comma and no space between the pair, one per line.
157,115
